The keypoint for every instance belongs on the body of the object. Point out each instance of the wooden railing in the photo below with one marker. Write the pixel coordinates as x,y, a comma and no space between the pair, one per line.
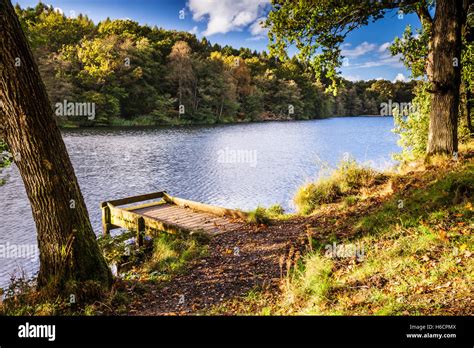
114,216
219,211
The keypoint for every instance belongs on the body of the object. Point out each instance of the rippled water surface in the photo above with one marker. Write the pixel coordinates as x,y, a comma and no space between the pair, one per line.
237,166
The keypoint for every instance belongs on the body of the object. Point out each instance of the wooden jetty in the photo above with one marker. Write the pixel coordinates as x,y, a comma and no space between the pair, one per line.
165,213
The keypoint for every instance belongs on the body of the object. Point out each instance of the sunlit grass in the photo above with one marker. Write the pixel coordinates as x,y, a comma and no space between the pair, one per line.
417,260
345,180
262,215
414,254
171,255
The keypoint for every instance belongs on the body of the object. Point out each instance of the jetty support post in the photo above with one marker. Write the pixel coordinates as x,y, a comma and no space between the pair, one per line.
105,219
140,231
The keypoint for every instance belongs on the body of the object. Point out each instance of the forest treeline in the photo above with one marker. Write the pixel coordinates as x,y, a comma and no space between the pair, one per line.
135,74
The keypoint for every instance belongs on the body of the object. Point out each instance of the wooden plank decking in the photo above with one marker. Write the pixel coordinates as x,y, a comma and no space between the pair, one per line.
187,218
168,214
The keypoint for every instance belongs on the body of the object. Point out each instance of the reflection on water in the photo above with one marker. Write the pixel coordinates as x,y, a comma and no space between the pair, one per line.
237,166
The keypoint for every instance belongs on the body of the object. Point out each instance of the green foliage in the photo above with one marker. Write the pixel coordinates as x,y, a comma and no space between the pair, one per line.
467,78
467,63
171,254
275,210
5,159
160,257
48,28
106,106
347,178
115,247
310,196
258,216
413,50
318,28
314,281
263,215
139,75
350,200
413,129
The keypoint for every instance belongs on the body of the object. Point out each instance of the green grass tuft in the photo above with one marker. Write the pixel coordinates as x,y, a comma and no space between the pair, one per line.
344,181
263,215
171,255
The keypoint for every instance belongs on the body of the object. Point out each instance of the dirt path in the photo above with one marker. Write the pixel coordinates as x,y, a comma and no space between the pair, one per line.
236,263
243,260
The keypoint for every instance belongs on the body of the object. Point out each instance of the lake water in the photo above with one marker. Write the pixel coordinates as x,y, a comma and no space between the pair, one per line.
236,166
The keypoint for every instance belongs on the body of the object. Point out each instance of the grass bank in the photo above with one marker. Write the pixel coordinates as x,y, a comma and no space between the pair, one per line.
397,244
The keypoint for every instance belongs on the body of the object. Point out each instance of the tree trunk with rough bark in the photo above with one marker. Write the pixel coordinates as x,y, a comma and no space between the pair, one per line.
445,77
66,241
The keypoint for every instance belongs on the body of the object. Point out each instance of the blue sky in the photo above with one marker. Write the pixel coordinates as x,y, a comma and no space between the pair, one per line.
236,22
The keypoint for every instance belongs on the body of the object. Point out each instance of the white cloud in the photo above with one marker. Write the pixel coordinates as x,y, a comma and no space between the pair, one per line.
226,15
382,56
400,77
243,18
393,61
384,47
257,28
352,78
194,30
255,38
359,50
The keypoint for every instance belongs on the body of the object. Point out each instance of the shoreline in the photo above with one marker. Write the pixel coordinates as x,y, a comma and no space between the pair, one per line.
169,125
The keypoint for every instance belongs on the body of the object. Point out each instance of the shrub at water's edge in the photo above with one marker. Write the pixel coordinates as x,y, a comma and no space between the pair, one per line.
262,215
346,179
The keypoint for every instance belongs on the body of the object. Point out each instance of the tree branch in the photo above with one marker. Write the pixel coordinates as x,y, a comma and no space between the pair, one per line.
424,15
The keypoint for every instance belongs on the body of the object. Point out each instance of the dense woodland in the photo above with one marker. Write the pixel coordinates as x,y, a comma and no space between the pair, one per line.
141,75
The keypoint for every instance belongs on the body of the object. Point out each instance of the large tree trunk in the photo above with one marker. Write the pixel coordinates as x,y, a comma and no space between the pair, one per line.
67,243
445,77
